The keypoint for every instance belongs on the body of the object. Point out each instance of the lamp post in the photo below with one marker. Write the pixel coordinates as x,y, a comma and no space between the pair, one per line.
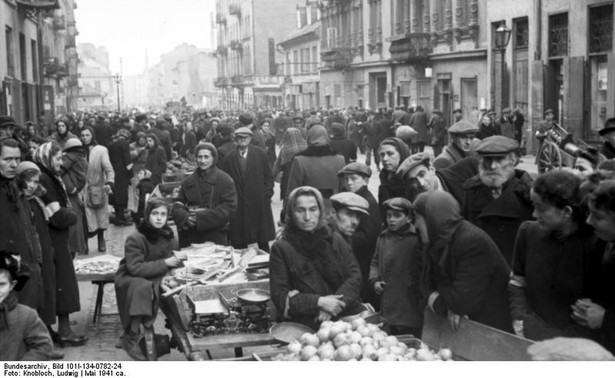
118,79
502,37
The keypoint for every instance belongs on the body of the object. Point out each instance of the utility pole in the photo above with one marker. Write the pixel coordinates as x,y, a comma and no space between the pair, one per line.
118,79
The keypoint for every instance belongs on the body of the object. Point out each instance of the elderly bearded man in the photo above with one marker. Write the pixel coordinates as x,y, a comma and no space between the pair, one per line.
498,198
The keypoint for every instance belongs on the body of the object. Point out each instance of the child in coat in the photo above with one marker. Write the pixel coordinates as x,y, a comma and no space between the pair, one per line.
23,336
395,270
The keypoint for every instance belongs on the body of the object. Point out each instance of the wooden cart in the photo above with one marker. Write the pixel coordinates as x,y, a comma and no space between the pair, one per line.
558,150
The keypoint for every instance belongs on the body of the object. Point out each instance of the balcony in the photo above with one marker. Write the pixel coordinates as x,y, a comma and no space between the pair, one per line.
236,45
221,50
70,41
39,5
59,22
221,82
235,10
337,58
220,19
412,48
237,81
54,69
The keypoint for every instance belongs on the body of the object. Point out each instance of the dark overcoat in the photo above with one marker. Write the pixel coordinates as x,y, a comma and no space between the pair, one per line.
137,280
74,170
67,289
156,162
119,155
500,218
213,196
253,221
418,121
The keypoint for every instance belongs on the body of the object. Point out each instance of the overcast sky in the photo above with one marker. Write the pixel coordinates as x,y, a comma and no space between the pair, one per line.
127,28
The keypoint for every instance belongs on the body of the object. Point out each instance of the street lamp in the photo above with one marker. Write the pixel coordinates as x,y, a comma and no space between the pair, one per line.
502,37
118,79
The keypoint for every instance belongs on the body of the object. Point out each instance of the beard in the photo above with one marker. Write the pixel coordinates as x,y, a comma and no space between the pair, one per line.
496,178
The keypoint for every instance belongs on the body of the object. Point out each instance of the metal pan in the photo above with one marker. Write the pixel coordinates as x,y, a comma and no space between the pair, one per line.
287,332
253,296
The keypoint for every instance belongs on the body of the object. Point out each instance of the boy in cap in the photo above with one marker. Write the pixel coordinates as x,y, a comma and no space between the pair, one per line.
356,178
395,270
462,133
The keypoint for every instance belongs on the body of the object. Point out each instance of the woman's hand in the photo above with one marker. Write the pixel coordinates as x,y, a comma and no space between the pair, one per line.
172,262
379,287
323,316
453,320
331,304
588,314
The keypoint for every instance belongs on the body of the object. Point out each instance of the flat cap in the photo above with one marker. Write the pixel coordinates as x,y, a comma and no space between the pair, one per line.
399,204
437,111
506,110
72,142
497,145
609,126
7,121
548,111
26,165
412,161
243,131
491,112
463,127
356,167
405,132
246,119
457,110
351,201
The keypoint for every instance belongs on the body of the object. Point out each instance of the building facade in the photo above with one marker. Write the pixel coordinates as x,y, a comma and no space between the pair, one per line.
248,58
302,60
560,58
38,59
97,87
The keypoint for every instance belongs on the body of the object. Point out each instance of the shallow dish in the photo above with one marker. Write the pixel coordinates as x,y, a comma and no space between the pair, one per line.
287,332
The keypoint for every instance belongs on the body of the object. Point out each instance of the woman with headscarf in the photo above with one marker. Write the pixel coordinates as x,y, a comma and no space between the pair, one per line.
314,275
48,157
99,184
292,143
317,166
148,256
207,201
61,135
119,156
464,273
156,161
392,151
73,172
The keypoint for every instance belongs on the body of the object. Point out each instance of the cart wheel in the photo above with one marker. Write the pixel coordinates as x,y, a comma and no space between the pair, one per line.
549,157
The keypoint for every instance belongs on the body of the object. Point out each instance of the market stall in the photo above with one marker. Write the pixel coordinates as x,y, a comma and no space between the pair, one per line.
100,271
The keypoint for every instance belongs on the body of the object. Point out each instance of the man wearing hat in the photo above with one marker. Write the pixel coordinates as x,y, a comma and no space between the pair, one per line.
608,133
498,198
419,175
505,124
258,139
418,121
462,133
437,128
346,208
7,126
341,144
457,115
356,178
249,168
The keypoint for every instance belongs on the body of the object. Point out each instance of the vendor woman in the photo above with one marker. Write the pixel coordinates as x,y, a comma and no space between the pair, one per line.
314,275
148,257
207,201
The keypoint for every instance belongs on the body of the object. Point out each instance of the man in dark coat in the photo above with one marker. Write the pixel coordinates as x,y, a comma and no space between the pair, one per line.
103,132
226,142
462,133
418,121
341,144
437,125
356,177
119,155
608,133
498,198
164,137
249,168
258,139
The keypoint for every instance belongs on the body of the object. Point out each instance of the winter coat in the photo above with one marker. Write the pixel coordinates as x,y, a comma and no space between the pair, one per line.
74,170
598,286
316,167
291,270
61,139
364,242
548,279
472,278
213,196
226,147
156,163
100,172
485,131
344,147
454,176
189,143
47,311
500,218
67,289
507,128
371,132
448,157
103,133
608,150
439,134
253,221
418,121
164,137
138,277
24,337
138,156
396,261
119,156
18,236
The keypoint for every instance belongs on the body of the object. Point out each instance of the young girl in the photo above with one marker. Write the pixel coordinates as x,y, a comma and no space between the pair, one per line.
395,270
23,336
148,257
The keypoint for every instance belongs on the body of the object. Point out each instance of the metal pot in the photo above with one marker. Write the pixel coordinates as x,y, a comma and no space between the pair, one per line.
253,296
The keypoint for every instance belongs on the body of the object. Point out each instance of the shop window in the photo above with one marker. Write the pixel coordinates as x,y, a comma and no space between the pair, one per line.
600,29
558,35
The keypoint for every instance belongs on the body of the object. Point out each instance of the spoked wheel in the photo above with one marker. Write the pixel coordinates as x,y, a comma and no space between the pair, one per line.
549,157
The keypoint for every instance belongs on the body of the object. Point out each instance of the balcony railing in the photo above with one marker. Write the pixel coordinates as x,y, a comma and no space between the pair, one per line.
235,10
220,19
221,50
53,68
236,45
221,81
411,48
236,80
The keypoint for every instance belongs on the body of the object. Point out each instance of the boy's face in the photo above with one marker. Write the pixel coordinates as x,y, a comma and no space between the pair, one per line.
354,182
6,284
603,222
396,219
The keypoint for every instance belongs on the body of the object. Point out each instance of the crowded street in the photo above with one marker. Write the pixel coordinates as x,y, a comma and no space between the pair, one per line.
306,180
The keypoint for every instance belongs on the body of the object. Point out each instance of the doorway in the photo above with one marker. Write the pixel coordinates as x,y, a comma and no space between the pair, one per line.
469,98
377,89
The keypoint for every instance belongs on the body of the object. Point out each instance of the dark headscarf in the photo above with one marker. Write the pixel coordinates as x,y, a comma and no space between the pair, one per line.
145,227
292,143
318,136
